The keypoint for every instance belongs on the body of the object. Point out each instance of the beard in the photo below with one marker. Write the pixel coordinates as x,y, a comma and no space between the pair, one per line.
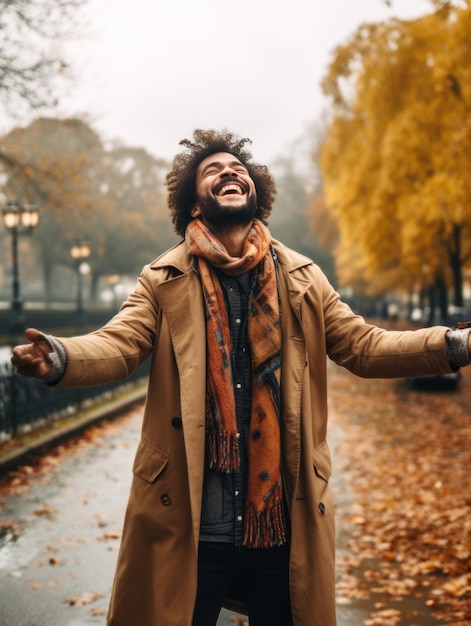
221,216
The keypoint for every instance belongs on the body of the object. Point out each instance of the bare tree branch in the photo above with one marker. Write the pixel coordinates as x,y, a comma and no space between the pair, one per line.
31,32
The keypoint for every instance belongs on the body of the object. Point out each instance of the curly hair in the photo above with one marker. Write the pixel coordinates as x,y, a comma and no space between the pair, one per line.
181,180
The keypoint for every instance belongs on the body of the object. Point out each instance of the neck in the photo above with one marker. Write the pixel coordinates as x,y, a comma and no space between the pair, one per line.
233,237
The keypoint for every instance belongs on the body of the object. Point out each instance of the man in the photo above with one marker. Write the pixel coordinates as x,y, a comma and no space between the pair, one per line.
230,487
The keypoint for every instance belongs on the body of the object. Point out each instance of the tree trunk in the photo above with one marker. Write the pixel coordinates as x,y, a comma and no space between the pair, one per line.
456,267
47,278
442,298
432,305
95,278
438,299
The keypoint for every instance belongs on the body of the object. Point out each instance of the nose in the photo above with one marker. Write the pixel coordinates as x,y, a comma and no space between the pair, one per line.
228,170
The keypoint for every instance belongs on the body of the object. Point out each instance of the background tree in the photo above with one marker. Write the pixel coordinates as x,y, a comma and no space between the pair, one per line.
114,198
30,57
292,218
136,227
31,64
397,154
55,171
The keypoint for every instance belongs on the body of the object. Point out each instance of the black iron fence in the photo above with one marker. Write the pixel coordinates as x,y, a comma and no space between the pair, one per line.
56,321
27,404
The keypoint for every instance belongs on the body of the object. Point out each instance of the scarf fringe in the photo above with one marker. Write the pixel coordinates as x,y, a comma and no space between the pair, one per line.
265,529
223,451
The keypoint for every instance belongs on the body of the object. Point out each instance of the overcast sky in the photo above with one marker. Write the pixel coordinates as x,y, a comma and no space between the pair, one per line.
151,71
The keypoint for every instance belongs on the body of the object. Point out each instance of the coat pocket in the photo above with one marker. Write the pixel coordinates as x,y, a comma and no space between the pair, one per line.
322,462
149,462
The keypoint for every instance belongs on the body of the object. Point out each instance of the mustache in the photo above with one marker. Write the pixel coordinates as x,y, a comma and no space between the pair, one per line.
230,179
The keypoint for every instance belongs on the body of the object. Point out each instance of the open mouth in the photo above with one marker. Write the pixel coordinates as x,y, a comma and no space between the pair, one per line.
231,187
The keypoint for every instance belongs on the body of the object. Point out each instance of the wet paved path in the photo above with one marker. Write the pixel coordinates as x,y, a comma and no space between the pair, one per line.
60,528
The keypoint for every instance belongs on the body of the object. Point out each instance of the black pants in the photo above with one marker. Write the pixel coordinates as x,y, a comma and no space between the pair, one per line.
265,576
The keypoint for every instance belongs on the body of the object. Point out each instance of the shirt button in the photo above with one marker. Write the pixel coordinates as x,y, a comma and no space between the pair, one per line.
236,493
239,518
237,321
238,385
237,435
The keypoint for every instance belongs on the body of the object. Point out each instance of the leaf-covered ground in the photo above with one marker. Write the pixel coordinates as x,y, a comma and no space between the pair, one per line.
406,456
403,518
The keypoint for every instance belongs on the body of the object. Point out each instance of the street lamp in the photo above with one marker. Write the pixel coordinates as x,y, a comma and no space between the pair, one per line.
80,251
19,220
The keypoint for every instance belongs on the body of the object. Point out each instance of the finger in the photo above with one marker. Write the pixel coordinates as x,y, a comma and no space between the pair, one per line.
30,365
24,360
20,355
39,371
34,335
29,353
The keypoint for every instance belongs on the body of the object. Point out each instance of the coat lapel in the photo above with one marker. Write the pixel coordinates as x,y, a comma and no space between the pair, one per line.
294,355
182,304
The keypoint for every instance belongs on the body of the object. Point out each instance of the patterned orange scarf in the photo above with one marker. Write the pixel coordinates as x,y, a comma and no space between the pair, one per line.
264,523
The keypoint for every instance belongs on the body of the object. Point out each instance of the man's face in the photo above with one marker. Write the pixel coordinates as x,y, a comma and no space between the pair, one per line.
225,192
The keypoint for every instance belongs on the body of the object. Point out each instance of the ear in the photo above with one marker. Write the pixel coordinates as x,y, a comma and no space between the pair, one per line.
195,211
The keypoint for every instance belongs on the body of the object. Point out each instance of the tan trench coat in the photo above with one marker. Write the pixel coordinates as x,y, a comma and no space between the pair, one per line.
155,582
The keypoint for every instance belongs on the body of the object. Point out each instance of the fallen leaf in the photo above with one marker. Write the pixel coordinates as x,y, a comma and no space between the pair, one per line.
84,598
36,585
96,612
110,534
44,511
458,586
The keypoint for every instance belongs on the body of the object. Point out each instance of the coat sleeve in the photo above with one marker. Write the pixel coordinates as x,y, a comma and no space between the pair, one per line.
115,350
373,352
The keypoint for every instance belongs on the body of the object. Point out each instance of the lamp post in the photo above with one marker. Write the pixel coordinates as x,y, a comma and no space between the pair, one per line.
80,251
19,220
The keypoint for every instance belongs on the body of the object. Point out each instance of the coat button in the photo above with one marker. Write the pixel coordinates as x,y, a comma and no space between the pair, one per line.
321,507
165,499
177,422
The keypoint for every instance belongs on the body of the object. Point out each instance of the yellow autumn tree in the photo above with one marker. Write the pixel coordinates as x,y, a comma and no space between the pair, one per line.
397,155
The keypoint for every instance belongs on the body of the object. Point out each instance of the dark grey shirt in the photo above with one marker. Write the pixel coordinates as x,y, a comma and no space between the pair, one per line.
222,513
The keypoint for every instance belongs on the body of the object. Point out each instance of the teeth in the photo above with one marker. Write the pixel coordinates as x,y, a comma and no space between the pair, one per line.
229,188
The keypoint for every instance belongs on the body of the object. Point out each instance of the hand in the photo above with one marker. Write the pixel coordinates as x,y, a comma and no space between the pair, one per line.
32,359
